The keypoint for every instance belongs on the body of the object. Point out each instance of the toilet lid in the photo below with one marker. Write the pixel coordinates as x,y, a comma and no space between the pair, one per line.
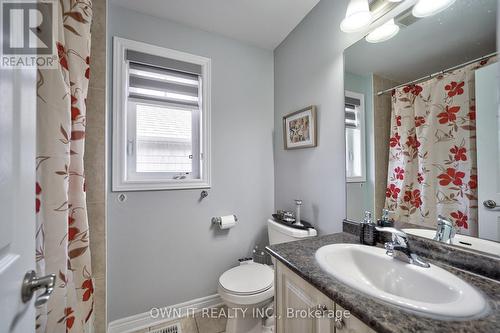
247,279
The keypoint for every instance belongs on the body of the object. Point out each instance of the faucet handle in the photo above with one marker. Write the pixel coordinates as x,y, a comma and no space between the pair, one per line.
399,237
394,231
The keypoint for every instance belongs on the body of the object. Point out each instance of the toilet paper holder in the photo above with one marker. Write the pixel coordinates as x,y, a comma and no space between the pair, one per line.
218,220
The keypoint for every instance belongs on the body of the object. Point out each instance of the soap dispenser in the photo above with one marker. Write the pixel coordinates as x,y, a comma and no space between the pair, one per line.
384,220
368,231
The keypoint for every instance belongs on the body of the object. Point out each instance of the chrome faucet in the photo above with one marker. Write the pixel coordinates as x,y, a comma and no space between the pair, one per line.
445,231
399,247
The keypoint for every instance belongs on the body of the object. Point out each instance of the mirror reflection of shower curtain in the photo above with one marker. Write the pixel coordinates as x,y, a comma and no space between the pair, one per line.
62,234
432,151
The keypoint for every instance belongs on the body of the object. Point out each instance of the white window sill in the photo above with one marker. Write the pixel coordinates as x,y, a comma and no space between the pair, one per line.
158,185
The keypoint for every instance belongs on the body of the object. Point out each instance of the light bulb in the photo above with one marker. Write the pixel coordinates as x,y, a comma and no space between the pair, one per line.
425,8
385,32
357,17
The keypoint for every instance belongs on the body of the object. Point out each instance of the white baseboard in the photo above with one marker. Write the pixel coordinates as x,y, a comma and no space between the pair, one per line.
144,320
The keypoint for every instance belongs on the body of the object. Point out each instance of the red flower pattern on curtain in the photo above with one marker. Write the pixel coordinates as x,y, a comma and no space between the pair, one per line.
62,237
432,164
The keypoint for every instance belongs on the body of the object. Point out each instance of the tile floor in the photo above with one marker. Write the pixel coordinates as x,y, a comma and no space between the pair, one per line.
196,324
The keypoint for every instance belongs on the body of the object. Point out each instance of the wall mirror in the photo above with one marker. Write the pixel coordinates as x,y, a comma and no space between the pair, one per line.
422,124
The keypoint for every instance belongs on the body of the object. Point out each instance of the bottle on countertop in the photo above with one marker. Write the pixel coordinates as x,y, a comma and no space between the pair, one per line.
384,221
368,231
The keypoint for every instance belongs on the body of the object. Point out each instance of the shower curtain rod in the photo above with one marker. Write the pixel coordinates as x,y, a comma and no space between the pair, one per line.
427,77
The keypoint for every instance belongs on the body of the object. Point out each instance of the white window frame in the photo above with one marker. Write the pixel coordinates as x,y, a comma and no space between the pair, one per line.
120,176
361,97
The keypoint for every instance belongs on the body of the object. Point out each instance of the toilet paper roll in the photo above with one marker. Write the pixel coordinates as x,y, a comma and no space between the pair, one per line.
227,222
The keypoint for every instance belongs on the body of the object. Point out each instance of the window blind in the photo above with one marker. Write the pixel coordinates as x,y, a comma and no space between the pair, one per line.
351,112
161,79
351,116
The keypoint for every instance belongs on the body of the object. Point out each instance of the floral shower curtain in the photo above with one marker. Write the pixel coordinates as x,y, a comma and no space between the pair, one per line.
62,238
432,154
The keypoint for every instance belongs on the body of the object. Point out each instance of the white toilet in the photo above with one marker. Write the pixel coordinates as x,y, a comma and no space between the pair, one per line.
248,289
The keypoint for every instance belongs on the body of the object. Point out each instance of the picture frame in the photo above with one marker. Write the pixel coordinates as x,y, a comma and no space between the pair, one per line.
299,129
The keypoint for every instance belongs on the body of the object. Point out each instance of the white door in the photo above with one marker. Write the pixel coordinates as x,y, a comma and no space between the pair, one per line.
488,151
17,199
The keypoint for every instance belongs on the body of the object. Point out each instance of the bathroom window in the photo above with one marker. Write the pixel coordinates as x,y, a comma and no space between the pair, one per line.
355,137
161,118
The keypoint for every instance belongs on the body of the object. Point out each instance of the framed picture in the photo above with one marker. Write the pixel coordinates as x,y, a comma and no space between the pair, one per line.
299,128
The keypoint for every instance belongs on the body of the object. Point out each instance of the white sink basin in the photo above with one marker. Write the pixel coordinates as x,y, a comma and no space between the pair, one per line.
462,241
433,292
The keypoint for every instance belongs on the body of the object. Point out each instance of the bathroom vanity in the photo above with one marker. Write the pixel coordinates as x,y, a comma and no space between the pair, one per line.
302,284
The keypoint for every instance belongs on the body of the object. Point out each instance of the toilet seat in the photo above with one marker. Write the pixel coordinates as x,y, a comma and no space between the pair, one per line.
247,284
247,279
245,293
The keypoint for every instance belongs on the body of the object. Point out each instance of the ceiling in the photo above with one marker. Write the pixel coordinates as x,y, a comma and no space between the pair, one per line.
465,31
263,23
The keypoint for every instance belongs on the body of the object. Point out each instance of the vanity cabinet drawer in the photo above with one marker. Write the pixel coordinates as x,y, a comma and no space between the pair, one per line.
301,308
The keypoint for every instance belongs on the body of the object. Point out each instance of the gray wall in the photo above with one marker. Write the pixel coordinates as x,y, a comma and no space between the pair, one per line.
161,248
360,196
308,69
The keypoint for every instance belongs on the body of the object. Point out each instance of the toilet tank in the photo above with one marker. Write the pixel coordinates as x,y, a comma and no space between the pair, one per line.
279,233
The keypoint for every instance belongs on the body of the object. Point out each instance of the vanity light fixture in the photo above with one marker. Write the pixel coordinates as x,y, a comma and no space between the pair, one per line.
357,17
385,32
425,8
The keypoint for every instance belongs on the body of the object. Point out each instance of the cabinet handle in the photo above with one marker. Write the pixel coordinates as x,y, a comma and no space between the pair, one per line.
339,323
321,308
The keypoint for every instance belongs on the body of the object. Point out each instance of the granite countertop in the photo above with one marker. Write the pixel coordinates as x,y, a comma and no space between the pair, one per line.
382,317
